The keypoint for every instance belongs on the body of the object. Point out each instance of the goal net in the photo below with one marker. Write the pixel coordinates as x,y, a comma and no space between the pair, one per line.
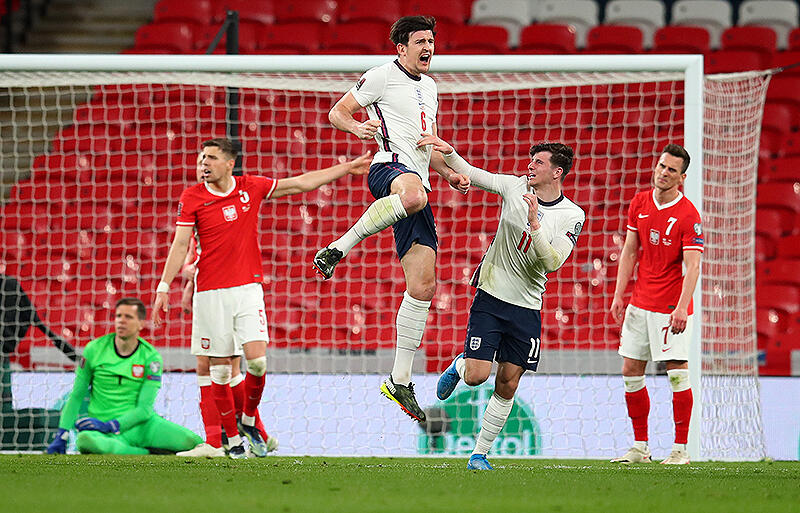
95,154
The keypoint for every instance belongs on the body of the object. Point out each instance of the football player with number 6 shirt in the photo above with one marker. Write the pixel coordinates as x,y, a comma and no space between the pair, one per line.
665,236
228,303
537,231
401,101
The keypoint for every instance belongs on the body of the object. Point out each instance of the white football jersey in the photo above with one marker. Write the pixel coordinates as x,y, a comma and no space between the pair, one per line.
511,270
406,106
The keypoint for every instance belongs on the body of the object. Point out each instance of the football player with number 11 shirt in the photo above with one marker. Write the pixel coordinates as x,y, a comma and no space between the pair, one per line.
537,231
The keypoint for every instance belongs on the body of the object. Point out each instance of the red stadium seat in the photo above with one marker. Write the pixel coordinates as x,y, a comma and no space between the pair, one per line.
770,144
790,145
787,58
365,11
786,169
547,38
478,39
292,37
614,39
765,248
778,297
249,33
174,36
682,39
781,271
308,11
752,38
771,323
783,91
359,37
774,222
777,117
789,247
785,195
794,39
447,11
256,11
730,61
197,11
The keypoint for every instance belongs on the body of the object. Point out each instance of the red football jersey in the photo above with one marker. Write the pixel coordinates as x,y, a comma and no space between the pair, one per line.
664,231
227,231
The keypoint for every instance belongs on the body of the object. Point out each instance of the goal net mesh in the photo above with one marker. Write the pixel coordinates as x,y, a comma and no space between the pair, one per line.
94,163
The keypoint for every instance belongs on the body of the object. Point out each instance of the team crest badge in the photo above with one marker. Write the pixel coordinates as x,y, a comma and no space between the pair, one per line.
654,236
474,343
137,371
205,343
230,213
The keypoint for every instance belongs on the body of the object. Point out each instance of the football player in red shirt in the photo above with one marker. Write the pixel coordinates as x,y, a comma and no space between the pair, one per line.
664,228
228,303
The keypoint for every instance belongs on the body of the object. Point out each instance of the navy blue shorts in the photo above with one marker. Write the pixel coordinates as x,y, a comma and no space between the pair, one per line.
504,332
419,227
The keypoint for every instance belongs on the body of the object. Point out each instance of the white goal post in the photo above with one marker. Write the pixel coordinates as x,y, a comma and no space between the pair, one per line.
594,102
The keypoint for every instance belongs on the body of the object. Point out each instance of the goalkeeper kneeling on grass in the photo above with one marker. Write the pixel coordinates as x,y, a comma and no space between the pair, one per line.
122,372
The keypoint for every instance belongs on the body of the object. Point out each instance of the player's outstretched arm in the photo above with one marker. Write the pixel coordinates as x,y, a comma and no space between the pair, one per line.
466,174
315,179
175,259
627,261
341,116
456,179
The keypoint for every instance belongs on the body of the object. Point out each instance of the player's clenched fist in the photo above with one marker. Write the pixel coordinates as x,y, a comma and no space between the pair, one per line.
367,129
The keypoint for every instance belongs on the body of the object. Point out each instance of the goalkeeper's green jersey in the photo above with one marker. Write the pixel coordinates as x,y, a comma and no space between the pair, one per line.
120,387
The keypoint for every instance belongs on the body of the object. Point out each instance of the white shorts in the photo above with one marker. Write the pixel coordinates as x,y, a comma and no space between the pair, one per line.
224,319
646,336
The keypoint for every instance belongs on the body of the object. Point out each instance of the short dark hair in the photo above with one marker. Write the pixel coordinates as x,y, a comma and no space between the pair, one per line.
141,310
226,146
561,155
676,150
407,25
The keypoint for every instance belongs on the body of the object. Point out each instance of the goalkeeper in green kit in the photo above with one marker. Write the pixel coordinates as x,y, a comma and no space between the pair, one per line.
122,374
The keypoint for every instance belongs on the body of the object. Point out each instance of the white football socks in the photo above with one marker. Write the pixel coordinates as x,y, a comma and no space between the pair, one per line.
411,318
494,418
381,214
461,365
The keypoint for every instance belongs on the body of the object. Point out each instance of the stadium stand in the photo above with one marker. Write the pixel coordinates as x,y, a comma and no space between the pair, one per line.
714,15
766,35
581,14
780,15
647,15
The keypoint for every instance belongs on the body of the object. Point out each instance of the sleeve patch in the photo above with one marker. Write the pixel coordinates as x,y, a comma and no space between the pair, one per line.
155,367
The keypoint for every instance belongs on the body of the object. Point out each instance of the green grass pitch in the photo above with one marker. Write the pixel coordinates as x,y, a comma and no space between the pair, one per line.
155,484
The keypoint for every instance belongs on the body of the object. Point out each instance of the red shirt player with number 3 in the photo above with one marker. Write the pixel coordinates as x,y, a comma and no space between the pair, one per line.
665,236
228,303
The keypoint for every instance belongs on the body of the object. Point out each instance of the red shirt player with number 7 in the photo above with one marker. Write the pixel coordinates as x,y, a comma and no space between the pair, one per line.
657,326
